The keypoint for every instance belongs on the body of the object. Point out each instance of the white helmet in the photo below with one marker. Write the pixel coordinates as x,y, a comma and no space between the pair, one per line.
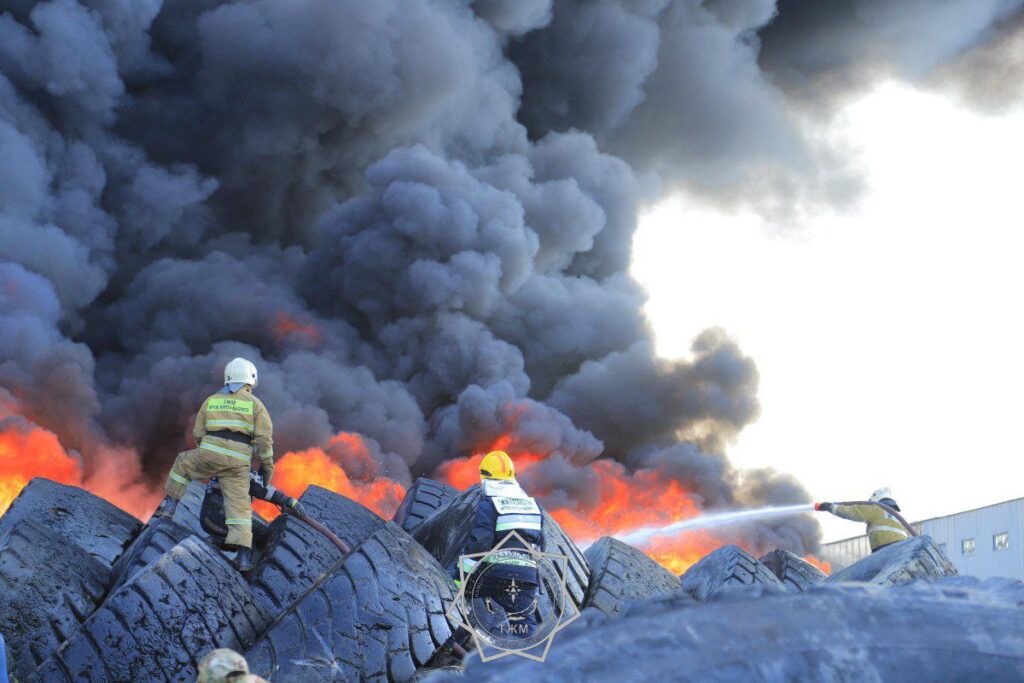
881,494
240,371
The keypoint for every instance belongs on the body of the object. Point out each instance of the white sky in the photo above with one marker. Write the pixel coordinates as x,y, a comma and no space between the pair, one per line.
889,339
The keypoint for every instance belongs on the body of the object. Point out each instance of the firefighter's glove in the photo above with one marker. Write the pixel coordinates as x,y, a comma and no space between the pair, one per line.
293,507
257,487
823,507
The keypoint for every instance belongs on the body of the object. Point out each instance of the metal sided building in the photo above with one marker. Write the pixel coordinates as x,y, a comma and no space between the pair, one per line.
984,542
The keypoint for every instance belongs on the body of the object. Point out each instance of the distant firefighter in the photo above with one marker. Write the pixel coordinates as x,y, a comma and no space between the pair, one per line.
882,528
232,426
226,666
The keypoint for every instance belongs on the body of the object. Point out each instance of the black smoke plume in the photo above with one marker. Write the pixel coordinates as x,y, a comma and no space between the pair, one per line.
415,217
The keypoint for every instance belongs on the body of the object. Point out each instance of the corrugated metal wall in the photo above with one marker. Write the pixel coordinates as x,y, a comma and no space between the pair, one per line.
843,553
980,526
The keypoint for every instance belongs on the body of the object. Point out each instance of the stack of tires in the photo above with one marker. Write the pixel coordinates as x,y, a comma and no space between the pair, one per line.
900,614
87,592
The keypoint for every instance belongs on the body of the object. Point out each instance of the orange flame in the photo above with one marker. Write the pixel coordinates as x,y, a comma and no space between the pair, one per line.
680,553
296,470
28,451
464,472
820,564
626,501
461,472
287,328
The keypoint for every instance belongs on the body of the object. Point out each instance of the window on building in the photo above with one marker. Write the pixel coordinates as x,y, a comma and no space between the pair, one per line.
967,546
1001,541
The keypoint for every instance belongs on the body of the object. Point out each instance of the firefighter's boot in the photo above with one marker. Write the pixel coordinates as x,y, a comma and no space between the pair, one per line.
243,560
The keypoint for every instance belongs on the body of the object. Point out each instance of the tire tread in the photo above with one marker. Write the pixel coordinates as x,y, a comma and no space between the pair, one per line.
620,573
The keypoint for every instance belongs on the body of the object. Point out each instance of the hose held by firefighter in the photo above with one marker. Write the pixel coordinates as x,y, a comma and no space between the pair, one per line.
506,582
232,429
883,528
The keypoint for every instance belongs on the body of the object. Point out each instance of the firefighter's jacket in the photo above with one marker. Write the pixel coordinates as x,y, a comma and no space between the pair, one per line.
237,425
883,528
503,508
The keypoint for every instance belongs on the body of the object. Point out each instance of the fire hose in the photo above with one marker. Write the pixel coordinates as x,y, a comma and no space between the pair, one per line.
895,515
327,533
262,491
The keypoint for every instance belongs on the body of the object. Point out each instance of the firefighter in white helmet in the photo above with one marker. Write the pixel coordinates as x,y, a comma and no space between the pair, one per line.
232,428
882,528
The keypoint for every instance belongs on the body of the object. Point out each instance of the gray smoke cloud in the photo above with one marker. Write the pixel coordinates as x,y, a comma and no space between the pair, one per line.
989,77
416,218
630,72
818,48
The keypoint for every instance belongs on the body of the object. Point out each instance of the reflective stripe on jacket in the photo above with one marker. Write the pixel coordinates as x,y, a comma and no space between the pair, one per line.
241,413
513,558
516,510
504,507
883,528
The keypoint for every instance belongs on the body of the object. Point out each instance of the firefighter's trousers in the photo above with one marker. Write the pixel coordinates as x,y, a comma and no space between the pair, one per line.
233,475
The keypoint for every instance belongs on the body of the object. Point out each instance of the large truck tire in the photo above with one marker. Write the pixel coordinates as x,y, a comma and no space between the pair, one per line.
620,573
187,513
294,557
48,587
351,522
997,590
444,535
832,632
161,623
726,567
577,579
915,558
87,521
378,617
424,498
795,573
156,539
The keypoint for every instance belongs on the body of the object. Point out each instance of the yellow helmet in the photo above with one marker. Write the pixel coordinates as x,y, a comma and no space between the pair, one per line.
497,465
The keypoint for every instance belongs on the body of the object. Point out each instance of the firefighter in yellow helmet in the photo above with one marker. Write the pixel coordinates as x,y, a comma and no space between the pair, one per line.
882,528
509,577
497,466
232,427
225,666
